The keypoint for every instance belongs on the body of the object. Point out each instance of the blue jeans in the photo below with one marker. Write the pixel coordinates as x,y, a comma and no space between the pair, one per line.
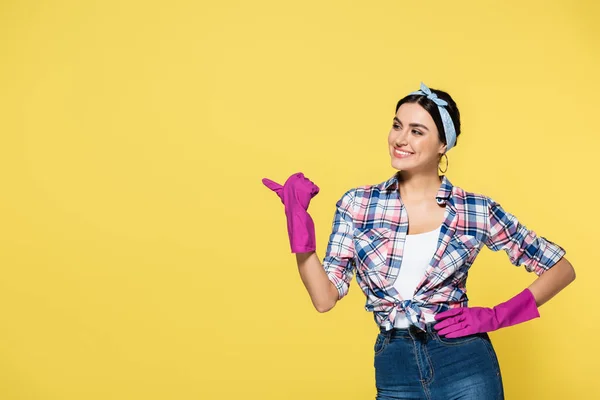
412,364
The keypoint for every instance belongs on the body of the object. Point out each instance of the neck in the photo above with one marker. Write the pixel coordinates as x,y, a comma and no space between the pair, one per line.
418,186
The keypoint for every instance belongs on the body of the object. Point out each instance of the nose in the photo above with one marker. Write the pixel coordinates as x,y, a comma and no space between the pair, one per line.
400,138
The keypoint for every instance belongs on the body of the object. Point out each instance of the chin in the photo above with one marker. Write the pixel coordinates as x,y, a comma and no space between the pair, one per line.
400,165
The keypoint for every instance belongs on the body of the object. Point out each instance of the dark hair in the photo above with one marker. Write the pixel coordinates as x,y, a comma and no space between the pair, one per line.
432,109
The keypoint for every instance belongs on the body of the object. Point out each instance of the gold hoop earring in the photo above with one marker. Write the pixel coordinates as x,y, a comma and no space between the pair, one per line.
447,163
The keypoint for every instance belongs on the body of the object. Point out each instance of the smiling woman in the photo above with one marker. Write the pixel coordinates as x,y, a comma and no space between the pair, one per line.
433,129
415,275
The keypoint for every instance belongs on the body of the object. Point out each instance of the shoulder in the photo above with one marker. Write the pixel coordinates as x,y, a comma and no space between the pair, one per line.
368,190
365,191
470,199
360,196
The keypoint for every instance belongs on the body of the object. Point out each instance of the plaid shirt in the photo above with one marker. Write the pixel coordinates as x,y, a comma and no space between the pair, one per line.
369,230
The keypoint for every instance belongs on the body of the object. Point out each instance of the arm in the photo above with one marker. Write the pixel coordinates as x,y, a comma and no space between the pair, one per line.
322,291
329,281
523,247
550,283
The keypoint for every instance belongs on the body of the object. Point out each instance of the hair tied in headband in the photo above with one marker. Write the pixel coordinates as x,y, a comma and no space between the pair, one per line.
449,130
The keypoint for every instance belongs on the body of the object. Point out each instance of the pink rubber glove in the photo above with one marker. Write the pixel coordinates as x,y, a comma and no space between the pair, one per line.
465,321
296,194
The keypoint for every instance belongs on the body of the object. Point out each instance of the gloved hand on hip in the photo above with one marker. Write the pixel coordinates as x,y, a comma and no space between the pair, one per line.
295,195
465,321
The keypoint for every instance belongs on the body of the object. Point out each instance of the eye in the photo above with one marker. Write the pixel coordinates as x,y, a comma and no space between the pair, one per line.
395,125
416,131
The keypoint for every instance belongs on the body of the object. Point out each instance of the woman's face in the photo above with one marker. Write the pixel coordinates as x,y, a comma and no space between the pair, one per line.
413,140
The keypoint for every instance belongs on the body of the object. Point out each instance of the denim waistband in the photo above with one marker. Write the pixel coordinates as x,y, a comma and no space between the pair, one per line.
412,331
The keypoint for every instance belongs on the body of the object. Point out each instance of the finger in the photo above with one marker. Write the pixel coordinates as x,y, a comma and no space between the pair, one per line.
314,190
451,329
459,333
449,313
444,324
448,322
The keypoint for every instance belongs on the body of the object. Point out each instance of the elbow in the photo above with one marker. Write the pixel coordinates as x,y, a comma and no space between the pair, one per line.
573,274
329,299
328,304
570,271
323,308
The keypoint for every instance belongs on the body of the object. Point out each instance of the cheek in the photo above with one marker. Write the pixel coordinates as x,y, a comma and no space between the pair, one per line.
425,143
428,149
391,137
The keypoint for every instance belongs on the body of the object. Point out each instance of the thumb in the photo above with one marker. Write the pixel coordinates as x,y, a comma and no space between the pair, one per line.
447,314
274,186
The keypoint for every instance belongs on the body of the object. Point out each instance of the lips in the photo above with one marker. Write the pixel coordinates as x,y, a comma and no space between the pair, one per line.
401,153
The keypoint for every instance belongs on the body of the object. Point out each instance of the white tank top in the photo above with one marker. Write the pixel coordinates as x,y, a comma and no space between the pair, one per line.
418,251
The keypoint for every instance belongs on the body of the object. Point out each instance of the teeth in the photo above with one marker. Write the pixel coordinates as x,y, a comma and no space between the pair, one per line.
402,152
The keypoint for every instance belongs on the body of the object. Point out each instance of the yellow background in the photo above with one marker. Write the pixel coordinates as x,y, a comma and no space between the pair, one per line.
141,257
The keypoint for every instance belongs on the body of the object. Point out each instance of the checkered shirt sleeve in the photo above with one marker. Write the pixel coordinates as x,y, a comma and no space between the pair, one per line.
523,246
339,258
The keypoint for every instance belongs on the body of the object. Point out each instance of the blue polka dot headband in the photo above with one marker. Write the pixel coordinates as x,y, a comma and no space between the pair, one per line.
446,119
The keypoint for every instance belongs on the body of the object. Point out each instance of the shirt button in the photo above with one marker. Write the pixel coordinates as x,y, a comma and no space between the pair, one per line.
372,237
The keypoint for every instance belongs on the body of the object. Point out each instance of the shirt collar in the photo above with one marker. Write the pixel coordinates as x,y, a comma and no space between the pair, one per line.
444,192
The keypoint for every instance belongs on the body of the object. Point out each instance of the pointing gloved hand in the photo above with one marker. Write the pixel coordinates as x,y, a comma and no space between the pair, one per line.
296,194
465,321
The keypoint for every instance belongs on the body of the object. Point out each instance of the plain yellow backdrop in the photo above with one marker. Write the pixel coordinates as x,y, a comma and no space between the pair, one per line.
141,257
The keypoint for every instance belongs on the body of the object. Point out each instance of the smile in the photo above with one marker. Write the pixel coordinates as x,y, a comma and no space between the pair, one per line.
401,154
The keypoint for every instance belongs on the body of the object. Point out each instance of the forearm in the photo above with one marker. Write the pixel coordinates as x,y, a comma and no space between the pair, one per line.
552,281
523,307
322,291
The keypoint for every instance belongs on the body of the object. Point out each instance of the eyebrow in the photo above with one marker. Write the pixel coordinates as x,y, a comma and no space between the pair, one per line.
413,124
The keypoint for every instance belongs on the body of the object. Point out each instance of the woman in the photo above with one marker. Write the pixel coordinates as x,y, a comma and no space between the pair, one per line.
431,345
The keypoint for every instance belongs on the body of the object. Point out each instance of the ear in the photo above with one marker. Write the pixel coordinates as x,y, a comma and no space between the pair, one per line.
442,149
